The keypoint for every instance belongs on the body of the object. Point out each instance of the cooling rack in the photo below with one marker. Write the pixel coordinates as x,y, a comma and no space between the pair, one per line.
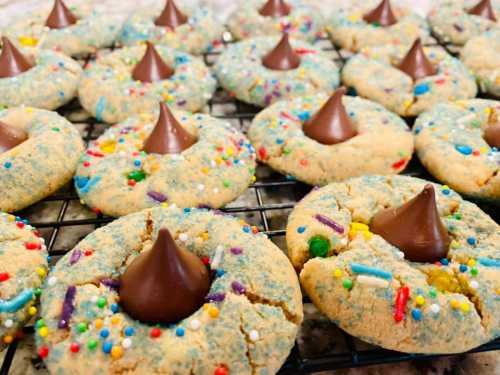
320,346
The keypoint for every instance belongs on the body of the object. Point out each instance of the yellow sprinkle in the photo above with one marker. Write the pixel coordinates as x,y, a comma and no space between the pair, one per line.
213,312
229,151
359,226
115,320
28,41
8,339
29,109
337,273
483,150
419,300
407,103
454,244
108,146
464,306
254,179
205,170
368,235
43,332
116,352
353,17
454,304
41,271
471,262
32,310
98,323
218,160
11,218
164,204
487,111
204,236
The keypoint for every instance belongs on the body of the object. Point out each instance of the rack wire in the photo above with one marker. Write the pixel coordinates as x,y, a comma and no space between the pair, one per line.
341,350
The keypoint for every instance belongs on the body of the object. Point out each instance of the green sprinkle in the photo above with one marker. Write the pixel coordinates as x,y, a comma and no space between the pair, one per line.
92,344
319,246
474,271
402,154
433,292
56,129
82,327
101,302
40,323
226,183
475,123
458,216
347,283
137,176
38,292
286,151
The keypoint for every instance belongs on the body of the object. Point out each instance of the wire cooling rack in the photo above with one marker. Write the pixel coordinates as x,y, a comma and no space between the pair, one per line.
321,346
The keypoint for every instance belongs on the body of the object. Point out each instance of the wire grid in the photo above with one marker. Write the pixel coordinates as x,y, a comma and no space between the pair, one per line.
341,350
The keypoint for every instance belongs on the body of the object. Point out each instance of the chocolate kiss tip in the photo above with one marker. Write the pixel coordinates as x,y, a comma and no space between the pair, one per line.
483,9
415,63
275,8
415,228
10,137
171,16
151,68
331,124
60,16
165,284
381,15
282,57
12,61
168,135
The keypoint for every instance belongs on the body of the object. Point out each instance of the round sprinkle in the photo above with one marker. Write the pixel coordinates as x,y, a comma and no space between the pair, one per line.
116,352
465,307
32,310
43,332
213,312
444,262
8,323
471,241
474,284
43,352
98,323
471,262
416,314
254,335
8,339
82,327
155,332
474,271
195,324
419,300
115,308
454,304
319,246
92,344
433,292
301,229
347,284
129,331
106,347
127,342
337,273
183,237
179,332
463,268
104,333
221,371
435,308
52,280
74,347
101,302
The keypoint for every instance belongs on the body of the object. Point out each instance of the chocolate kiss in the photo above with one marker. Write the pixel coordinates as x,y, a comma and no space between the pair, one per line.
151,68
492,132
331,124
275,8
483,9
10,137
381,15
60,16
165,284
171,16
168,136
12,61
282,57
415,63
415,228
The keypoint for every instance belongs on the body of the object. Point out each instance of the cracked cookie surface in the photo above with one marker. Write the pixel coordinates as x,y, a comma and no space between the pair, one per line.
451,306
449,143
384,144
247,326
374,75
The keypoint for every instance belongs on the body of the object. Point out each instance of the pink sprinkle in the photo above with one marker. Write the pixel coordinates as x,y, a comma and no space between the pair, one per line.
236,250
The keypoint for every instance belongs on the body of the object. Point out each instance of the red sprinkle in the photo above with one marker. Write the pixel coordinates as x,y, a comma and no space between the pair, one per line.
289,116
205,260
86,164
155,332
399,164
304,51
262,153
401,300
88,253
476,153
440,81
221,370
4,276
43,352
32,246
132,182
304,162
74,347
20,224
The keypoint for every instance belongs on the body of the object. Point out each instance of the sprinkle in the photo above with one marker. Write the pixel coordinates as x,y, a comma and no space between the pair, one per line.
444,261
337,273
301,229
487,262
221,370
101,302
474,271
236,250
402,296
435,308
127,342
462,268
116,352
67,308
115,308
421,89
110,283
416,314
104,333
372,281
17,302
32,310
8,323
372,271
463,149
195,324
92,344
107,346
215,297
179,332
347,284
454,304
7,165
474,284
471,241
183,237
74,347
8,339
238,287
465,307
129,331
219,251
43,332
99,108
319,246
329,222
75,257
155,332
156,196
213,311
43,352
4,276
82,327
136,176
254,335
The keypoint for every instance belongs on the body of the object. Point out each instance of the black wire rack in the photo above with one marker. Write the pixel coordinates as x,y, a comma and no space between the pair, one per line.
264,211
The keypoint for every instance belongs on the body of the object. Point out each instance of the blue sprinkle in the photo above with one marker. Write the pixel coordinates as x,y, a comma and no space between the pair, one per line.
49,259
99,108
137,163
289,177
7,164
463,149
61,94
81,181
187,210
487,262
246,229
104,333
121,140
179,332
418,130
219,273
360,268
17,302
416,314
89,184
61,64
351,114
304,116
279,141
444,262
181,59
445,191
421,89
115,308
107,346
463,268
129,331
471,241
301,229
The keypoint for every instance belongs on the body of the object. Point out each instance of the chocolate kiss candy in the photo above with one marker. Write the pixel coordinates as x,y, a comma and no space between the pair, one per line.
151,68
60,16
492,132
165,284
282,57
483,9
168,136
331,124
171,16
415,63
415,228
12,61
10,137
381,15
275,8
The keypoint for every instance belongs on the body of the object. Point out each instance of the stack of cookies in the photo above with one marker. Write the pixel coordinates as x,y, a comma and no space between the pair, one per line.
175,286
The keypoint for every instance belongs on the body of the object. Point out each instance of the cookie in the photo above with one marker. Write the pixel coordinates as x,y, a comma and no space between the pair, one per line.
23,266
39,152
458,21
72,30
359,24
37,78
481,55
452,143
380,292
376,74
110,91
256,18
381,141
117,176
248,324
192,30
250,70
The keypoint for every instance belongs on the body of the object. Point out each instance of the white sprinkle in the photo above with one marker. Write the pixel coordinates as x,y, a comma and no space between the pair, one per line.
201,187
372,281
343,241
213,164
254,335
122,153
8,323
401,254
435,308
474,284
216,190
217,257
94,299
127,343
195,324
52,280
183,237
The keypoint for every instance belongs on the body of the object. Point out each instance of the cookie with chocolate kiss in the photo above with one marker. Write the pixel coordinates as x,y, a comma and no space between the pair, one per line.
331,124
168,135
415,63
275,8
60,16
381,15
165,284
415,228
10,137
151,68
171,16
282,57
483,9
12,61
